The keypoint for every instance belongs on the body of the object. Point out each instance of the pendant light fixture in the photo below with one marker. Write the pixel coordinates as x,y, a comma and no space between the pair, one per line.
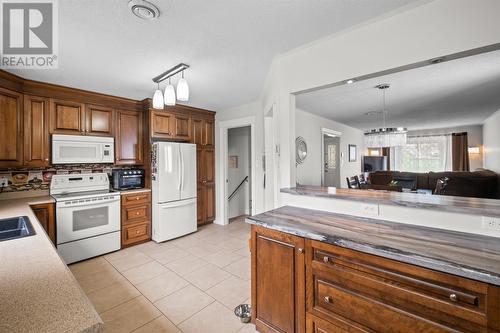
182,89
169,94
385,136
158,98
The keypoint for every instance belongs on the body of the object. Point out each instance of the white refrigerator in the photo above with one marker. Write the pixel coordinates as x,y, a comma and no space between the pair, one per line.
174,190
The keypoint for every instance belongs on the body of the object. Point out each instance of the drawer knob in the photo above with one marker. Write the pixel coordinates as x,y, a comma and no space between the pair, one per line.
453,297
137,213
326,259
327,299
301,250
136,198
137,232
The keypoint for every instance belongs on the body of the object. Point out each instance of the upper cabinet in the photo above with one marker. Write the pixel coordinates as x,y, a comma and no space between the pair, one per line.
99,120
203,132
170,125
11,120
36,131
129,137
67,117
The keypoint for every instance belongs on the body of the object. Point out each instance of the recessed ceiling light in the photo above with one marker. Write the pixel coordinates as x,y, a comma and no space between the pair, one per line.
351,81
144,9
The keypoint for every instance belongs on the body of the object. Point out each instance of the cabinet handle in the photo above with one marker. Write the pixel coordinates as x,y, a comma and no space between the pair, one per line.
326,259
137,232
453,297
136,198
327,299
301,250
137,213
46,159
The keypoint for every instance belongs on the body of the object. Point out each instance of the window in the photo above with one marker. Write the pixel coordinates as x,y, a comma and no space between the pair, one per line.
332,156
424,154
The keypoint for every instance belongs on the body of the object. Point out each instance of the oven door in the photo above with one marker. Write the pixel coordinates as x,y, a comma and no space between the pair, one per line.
131,181
85,218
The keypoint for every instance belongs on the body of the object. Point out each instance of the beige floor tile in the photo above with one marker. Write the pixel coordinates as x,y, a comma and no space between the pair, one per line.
183,304
248,328
207,276
89,267
244,252
205,231
203,249
240,268
100,279
152,247
186,265
216,237
223,258
120,254
233,244
129,316
186,241
213,318
231,292
133,259
161,286
113,295
168,255
144,272
159,325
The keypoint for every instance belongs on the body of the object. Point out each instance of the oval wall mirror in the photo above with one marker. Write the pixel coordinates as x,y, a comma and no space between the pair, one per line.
300,150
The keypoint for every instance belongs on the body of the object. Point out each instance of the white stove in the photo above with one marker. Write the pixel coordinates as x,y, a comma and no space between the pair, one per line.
87,215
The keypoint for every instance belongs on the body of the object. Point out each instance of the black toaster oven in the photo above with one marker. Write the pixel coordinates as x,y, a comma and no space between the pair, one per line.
126,179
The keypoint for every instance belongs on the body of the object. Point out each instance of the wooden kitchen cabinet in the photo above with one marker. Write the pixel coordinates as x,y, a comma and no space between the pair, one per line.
36,131
67,117
99,120
129,139
205,159
45,215
135,218
278,281
170,125
11,125
203,132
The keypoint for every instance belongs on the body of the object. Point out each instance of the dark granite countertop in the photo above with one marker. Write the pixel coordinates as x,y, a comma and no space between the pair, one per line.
467,255
474,206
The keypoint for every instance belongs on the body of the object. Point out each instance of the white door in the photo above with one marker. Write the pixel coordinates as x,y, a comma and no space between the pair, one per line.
174,219
167,183
188,170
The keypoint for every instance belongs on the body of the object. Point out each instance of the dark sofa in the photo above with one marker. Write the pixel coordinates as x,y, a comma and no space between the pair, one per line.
481,183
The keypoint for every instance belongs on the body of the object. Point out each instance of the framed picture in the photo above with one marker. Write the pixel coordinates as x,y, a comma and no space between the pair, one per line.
233,162
353,153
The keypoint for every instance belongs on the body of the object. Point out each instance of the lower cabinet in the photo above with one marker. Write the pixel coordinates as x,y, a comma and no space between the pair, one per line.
135,218
45,215
278,281
302,285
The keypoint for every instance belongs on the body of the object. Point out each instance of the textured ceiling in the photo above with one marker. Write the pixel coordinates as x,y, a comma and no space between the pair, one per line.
228,43
458,92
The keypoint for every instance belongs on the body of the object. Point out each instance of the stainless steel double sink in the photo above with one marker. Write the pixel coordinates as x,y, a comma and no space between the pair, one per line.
16,227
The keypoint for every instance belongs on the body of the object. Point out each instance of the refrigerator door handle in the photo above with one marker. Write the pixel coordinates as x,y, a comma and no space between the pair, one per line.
179,163
182,167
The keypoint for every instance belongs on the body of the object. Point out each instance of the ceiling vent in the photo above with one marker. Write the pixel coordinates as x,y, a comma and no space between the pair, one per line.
144,9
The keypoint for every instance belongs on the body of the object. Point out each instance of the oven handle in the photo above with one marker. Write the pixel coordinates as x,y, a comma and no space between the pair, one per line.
87,203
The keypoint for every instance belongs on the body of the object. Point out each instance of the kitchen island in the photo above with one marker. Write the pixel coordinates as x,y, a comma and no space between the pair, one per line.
318,271
38,292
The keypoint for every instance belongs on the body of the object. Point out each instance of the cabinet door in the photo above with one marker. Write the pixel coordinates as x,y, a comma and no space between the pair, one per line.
208,165
36,131
67,117
209,202
200,219
45,215
129,138
11,120
196,131
162,124
208,133
278,281
182,128
99,120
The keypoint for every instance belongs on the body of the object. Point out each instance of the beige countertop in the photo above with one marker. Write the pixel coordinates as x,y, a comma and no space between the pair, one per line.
38,292
138,190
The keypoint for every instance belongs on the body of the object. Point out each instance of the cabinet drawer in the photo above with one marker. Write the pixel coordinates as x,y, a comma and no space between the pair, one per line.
450,301
136,233
134,213
136,198
317,325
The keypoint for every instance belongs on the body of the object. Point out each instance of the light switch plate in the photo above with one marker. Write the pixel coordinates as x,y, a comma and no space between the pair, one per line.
4,182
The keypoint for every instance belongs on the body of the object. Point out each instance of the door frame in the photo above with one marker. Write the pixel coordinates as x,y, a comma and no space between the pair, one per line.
326,131
272,116
221,184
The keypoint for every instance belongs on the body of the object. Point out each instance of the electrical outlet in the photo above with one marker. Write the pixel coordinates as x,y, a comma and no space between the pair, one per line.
491,223
4,182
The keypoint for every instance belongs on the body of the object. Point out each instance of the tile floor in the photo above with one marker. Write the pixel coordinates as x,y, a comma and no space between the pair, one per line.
190,284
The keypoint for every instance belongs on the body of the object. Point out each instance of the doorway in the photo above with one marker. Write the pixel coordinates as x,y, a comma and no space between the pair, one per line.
239,166
330,159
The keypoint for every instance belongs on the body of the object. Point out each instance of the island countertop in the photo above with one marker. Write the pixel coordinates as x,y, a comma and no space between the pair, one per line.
463,205
38,292
466,255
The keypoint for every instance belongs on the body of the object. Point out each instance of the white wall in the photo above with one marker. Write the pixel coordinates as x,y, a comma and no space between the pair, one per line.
239,146
474,138
308,126
491,142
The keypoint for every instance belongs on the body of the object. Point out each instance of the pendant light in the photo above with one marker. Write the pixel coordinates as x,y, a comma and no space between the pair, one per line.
182,89
158,98
169,94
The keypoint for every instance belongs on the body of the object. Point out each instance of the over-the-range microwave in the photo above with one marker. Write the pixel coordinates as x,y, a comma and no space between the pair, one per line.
76,149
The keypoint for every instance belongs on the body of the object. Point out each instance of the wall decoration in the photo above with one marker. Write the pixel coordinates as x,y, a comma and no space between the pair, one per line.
353,153
233,162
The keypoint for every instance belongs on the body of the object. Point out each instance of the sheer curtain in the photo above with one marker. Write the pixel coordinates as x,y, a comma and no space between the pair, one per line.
423,154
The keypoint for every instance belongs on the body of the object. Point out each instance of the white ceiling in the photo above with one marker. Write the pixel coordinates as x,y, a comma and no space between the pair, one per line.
458,92
228,43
